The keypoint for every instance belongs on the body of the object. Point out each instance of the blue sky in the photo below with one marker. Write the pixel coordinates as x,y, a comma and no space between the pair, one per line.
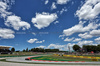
49,23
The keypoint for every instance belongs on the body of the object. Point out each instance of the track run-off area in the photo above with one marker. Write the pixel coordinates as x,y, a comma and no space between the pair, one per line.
19,60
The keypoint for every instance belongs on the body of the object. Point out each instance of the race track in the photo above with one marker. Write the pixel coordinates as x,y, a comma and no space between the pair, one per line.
22,59
21,64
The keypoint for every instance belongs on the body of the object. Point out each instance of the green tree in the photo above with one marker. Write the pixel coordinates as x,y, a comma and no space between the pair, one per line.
51,50
76,48
13,49
98,47
37,50
23,50
26,49
89,48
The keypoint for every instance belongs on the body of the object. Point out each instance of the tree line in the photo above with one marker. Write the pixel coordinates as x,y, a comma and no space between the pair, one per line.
41,50
87,48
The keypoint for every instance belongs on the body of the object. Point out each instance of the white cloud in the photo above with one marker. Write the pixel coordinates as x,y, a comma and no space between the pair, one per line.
62,1
55,46
81,43
95,32
97,39
77,39
61,36
68,40
63,10
90,10
46,2
61,47
12,20
32,40
69,47
85,36
35,40
16,23
56,22
6,33
3,9
3,5
53,5
85,42
41,47
43,20
33,33
40,41
10,2
79,28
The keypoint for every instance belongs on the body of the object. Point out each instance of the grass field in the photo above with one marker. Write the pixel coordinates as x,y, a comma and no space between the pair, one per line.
49,57
60,58
18,54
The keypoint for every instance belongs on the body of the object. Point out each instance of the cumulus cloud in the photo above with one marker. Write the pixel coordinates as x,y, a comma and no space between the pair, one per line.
41,47
89,10
53,5
10,2
81,43
10,19
6,33
80,28
56,22
46,2
68,39
55,46
32,40
35,40
62,1
61,47
69,47
97,39
33,33
43,20
95,32
63,10
61,36
40,41
77,39
16,23
91,34
3,9
85,36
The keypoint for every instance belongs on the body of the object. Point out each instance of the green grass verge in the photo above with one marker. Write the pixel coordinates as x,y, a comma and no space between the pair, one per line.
50,58
60,58
20,54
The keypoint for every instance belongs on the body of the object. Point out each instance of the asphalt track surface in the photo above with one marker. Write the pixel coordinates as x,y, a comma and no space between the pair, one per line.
21,64
22,59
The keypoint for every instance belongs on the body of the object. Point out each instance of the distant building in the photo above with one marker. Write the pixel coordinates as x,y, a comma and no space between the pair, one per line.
5,50
5,47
